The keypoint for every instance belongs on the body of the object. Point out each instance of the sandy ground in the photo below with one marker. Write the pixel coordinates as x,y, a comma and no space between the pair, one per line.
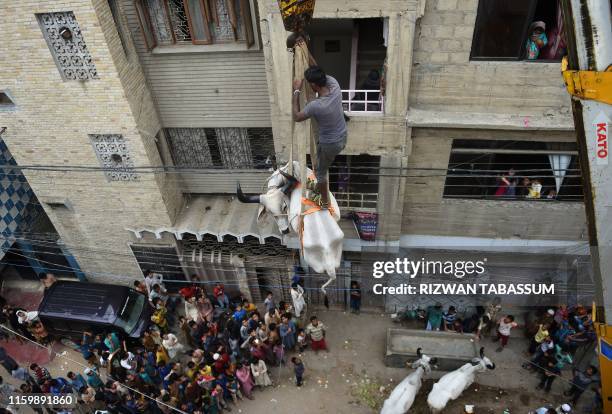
347,379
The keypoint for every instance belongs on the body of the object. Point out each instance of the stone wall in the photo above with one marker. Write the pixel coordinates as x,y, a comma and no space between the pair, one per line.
51,126
445,80
427,212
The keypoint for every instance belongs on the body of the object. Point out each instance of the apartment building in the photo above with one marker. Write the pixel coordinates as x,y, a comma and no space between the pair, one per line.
203,87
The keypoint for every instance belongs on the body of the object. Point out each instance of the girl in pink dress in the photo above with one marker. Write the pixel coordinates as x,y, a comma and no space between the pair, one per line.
243,373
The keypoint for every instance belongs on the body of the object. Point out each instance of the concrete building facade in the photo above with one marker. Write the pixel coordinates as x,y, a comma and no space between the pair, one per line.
204,88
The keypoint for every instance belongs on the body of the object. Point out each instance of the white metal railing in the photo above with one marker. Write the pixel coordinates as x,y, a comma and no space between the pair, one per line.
363,101
357,201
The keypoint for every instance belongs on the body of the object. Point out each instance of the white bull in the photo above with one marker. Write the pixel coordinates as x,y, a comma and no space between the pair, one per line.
451,385
320,235
402,397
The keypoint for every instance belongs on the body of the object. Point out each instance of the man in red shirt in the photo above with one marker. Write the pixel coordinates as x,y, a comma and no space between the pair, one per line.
222,299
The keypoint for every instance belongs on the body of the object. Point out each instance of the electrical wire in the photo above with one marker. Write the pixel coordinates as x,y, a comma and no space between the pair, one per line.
70,269
108,376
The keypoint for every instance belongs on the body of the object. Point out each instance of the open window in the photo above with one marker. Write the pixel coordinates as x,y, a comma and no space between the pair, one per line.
514,170
354,179
198,22
519,30
353,51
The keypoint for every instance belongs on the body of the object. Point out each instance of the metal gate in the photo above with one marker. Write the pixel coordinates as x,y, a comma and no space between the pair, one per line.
338,292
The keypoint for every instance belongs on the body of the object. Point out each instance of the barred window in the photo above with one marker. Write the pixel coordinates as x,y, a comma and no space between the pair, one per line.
226,148
514,170
199,22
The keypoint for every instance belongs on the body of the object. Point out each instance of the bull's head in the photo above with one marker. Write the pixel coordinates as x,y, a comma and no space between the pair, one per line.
483,363
274,201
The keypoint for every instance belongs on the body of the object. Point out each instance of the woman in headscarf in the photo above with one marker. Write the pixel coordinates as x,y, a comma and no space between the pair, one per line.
537,39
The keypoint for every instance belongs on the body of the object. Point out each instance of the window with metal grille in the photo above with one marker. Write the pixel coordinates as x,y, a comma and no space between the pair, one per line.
199,22
514,170
508,30
228,148
354,179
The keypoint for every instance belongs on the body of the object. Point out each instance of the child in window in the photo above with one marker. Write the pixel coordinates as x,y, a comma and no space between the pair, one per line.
537,39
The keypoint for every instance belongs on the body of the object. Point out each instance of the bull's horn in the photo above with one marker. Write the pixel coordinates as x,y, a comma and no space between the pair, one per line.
482,352
418,352
291,182
244,198
288,176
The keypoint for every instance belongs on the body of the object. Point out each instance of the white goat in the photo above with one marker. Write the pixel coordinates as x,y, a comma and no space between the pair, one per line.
451,385
402,397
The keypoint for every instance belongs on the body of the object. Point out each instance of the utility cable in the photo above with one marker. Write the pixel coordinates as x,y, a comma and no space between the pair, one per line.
108,377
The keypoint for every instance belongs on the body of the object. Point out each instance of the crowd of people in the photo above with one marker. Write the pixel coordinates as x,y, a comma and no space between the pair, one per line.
203,360
557,336
555,341
206,351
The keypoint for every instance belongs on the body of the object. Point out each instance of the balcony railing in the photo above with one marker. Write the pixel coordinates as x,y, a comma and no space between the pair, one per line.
357,201
362,101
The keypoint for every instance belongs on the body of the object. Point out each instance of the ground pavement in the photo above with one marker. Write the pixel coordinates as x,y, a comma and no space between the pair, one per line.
350,376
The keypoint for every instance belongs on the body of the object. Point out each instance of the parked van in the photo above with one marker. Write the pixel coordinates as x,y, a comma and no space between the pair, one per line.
69,308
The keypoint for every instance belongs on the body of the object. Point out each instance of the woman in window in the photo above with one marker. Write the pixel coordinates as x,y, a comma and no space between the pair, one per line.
537,39
507,187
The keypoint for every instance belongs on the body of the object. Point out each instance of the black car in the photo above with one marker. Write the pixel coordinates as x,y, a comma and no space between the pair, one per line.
69,308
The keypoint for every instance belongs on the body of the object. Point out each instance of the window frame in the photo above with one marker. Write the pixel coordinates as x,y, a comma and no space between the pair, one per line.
204,7
459,147
117,14
208,10
143,14
480,19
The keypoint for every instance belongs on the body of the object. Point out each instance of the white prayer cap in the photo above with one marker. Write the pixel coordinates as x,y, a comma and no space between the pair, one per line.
566,408
216,356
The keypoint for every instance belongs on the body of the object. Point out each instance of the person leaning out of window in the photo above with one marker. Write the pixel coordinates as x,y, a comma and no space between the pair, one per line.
537,40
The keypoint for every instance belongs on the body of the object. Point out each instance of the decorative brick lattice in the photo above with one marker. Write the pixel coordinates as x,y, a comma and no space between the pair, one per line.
114,156
70,51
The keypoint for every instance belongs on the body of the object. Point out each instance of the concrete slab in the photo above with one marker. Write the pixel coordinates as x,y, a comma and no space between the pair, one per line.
451,349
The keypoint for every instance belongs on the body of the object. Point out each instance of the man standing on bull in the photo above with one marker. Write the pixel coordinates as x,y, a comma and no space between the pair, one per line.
327,110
